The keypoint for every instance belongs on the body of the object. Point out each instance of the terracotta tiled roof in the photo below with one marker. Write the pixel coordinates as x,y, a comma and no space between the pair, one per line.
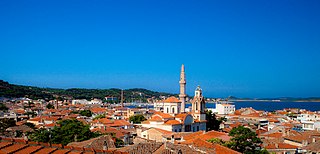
13,148
181,116
172,122
273,135
201,143
215,134
29,149
280,146
172,99
164,132
117,123
313,147
95,143
45,150
163,115
300,137
192,135
4,144
102,120
35,119
61,151
98,110
224,150
118,133
156,118
23,128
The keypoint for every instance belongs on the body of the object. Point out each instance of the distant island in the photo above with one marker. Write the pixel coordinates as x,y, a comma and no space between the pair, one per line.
8,90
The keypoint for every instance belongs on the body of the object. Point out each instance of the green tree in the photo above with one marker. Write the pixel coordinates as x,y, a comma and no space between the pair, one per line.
3,107
137,119
217,141
40,135
6,123
212,122
244,140
31,125
99,116
118,143
86,113
50,106
68,131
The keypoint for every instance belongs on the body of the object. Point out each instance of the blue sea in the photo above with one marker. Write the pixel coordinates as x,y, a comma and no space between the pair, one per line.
266,106
271,106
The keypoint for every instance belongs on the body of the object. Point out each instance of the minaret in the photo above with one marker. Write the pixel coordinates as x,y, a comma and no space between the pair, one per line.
182,95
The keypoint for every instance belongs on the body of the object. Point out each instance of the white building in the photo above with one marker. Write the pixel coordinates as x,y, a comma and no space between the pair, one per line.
225,108
310,125
171,106
84,101
308,117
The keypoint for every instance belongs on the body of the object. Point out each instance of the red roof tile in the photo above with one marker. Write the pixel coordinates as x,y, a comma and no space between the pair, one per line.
45,151
61,151
172,99
172,122
13,148
29,149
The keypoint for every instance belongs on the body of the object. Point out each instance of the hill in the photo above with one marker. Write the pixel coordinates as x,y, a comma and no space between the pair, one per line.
16,91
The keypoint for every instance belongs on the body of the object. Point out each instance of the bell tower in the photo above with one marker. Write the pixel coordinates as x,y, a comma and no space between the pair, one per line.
182,94
198,105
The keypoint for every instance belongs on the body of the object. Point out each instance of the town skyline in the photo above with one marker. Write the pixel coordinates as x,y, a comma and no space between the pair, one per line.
244,49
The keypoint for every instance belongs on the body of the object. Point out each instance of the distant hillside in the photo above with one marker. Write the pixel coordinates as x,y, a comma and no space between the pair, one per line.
15,91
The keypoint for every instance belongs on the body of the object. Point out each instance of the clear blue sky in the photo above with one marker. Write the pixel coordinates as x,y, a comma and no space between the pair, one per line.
241,48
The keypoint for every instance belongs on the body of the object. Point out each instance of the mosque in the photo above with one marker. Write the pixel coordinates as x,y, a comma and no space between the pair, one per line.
170,113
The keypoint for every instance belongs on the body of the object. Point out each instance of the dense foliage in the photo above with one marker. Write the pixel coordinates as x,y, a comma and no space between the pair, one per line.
68,131
137,119
130,95
99,116
212,122
50,106
6,123
86,113
3,107
244,140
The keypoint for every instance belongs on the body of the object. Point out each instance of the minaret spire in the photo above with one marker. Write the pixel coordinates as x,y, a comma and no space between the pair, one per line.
182,94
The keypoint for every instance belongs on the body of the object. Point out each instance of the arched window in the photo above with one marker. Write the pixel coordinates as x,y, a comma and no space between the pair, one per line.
167,110
172,110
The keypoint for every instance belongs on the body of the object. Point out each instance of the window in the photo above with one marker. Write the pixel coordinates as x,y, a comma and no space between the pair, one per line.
179,130
167,110
197,128
172,110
